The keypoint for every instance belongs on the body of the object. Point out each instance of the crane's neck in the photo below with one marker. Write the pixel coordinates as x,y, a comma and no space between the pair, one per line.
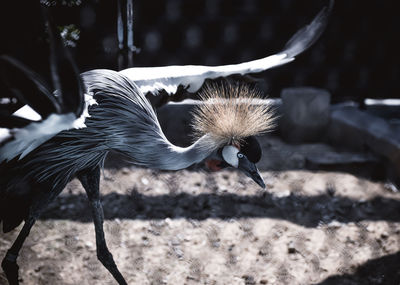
182,157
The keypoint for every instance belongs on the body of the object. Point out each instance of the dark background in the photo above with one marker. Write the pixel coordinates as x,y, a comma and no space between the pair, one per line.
356,57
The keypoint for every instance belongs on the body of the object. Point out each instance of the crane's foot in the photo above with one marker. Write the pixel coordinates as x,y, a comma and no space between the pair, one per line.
106,258
10,268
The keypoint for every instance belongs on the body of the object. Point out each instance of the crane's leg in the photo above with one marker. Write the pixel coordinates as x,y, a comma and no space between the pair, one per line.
9,263
90,181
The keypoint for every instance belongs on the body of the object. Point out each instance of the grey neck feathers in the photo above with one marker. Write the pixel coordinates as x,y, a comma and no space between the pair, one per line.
175,158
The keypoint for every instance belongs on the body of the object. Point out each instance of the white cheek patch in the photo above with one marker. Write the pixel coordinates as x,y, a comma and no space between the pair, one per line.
229,153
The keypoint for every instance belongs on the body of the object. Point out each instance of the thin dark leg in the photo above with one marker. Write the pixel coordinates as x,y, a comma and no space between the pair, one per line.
90,181
9,263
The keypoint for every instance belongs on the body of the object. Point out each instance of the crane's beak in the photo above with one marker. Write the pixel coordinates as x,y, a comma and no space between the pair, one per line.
250,169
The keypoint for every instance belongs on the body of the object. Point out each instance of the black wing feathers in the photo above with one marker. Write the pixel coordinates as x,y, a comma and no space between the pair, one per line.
29,88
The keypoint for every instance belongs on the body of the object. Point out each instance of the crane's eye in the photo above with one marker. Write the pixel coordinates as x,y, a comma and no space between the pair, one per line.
240,155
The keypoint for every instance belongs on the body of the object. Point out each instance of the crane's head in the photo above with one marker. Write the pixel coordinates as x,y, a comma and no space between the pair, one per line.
231,116
243,157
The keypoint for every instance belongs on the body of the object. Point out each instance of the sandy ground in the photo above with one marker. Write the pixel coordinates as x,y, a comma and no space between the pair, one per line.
196,227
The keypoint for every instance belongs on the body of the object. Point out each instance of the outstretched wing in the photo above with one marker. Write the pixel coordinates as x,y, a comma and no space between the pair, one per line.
45,113
192,77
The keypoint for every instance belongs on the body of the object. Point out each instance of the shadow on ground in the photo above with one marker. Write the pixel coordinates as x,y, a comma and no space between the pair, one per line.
384,270
308,211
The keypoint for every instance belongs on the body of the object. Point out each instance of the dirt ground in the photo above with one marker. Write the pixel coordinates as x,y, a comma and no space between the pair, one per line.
197,227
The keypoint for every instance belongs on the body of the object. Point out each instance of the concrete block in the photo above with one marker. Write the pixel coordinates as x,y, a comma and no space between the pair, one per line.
305,114
360,130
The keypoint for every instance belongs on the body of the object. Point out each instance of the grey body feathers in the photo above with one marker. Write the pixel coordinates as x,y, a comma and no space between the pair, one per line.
123,121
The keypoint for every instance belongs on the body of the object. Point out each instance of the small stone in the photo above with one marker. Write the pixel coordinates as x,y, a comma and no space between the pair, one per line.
249,280
291,248
282,194
371,228
384,235
335,224
89,244
391,187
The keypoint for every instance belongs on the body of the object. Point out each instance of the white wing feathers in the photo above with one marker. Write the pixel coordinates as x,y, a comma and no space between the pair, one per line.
27,112
192,77
30,137
33,135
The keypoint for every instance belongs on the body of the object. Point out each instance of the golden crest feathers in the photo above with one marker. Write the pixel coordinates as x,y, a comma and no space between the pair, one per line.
231,112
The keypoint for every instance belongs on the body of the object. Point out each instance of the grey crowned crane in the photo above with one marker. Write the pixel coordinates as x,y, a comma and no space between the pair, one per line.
66,134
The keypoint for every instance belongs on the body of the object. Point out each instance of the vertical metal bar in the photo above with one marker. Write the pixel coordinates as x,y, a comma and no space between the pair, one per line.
120,27
125,34
129,23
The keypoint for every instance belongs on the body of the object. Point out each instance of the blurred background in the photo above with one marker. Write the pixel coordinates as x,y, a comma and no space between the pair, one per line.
356,57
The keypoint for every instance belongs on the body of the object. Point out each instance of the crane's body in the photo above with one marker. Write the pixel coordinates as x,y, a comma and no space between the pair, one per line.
72,139
122,120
